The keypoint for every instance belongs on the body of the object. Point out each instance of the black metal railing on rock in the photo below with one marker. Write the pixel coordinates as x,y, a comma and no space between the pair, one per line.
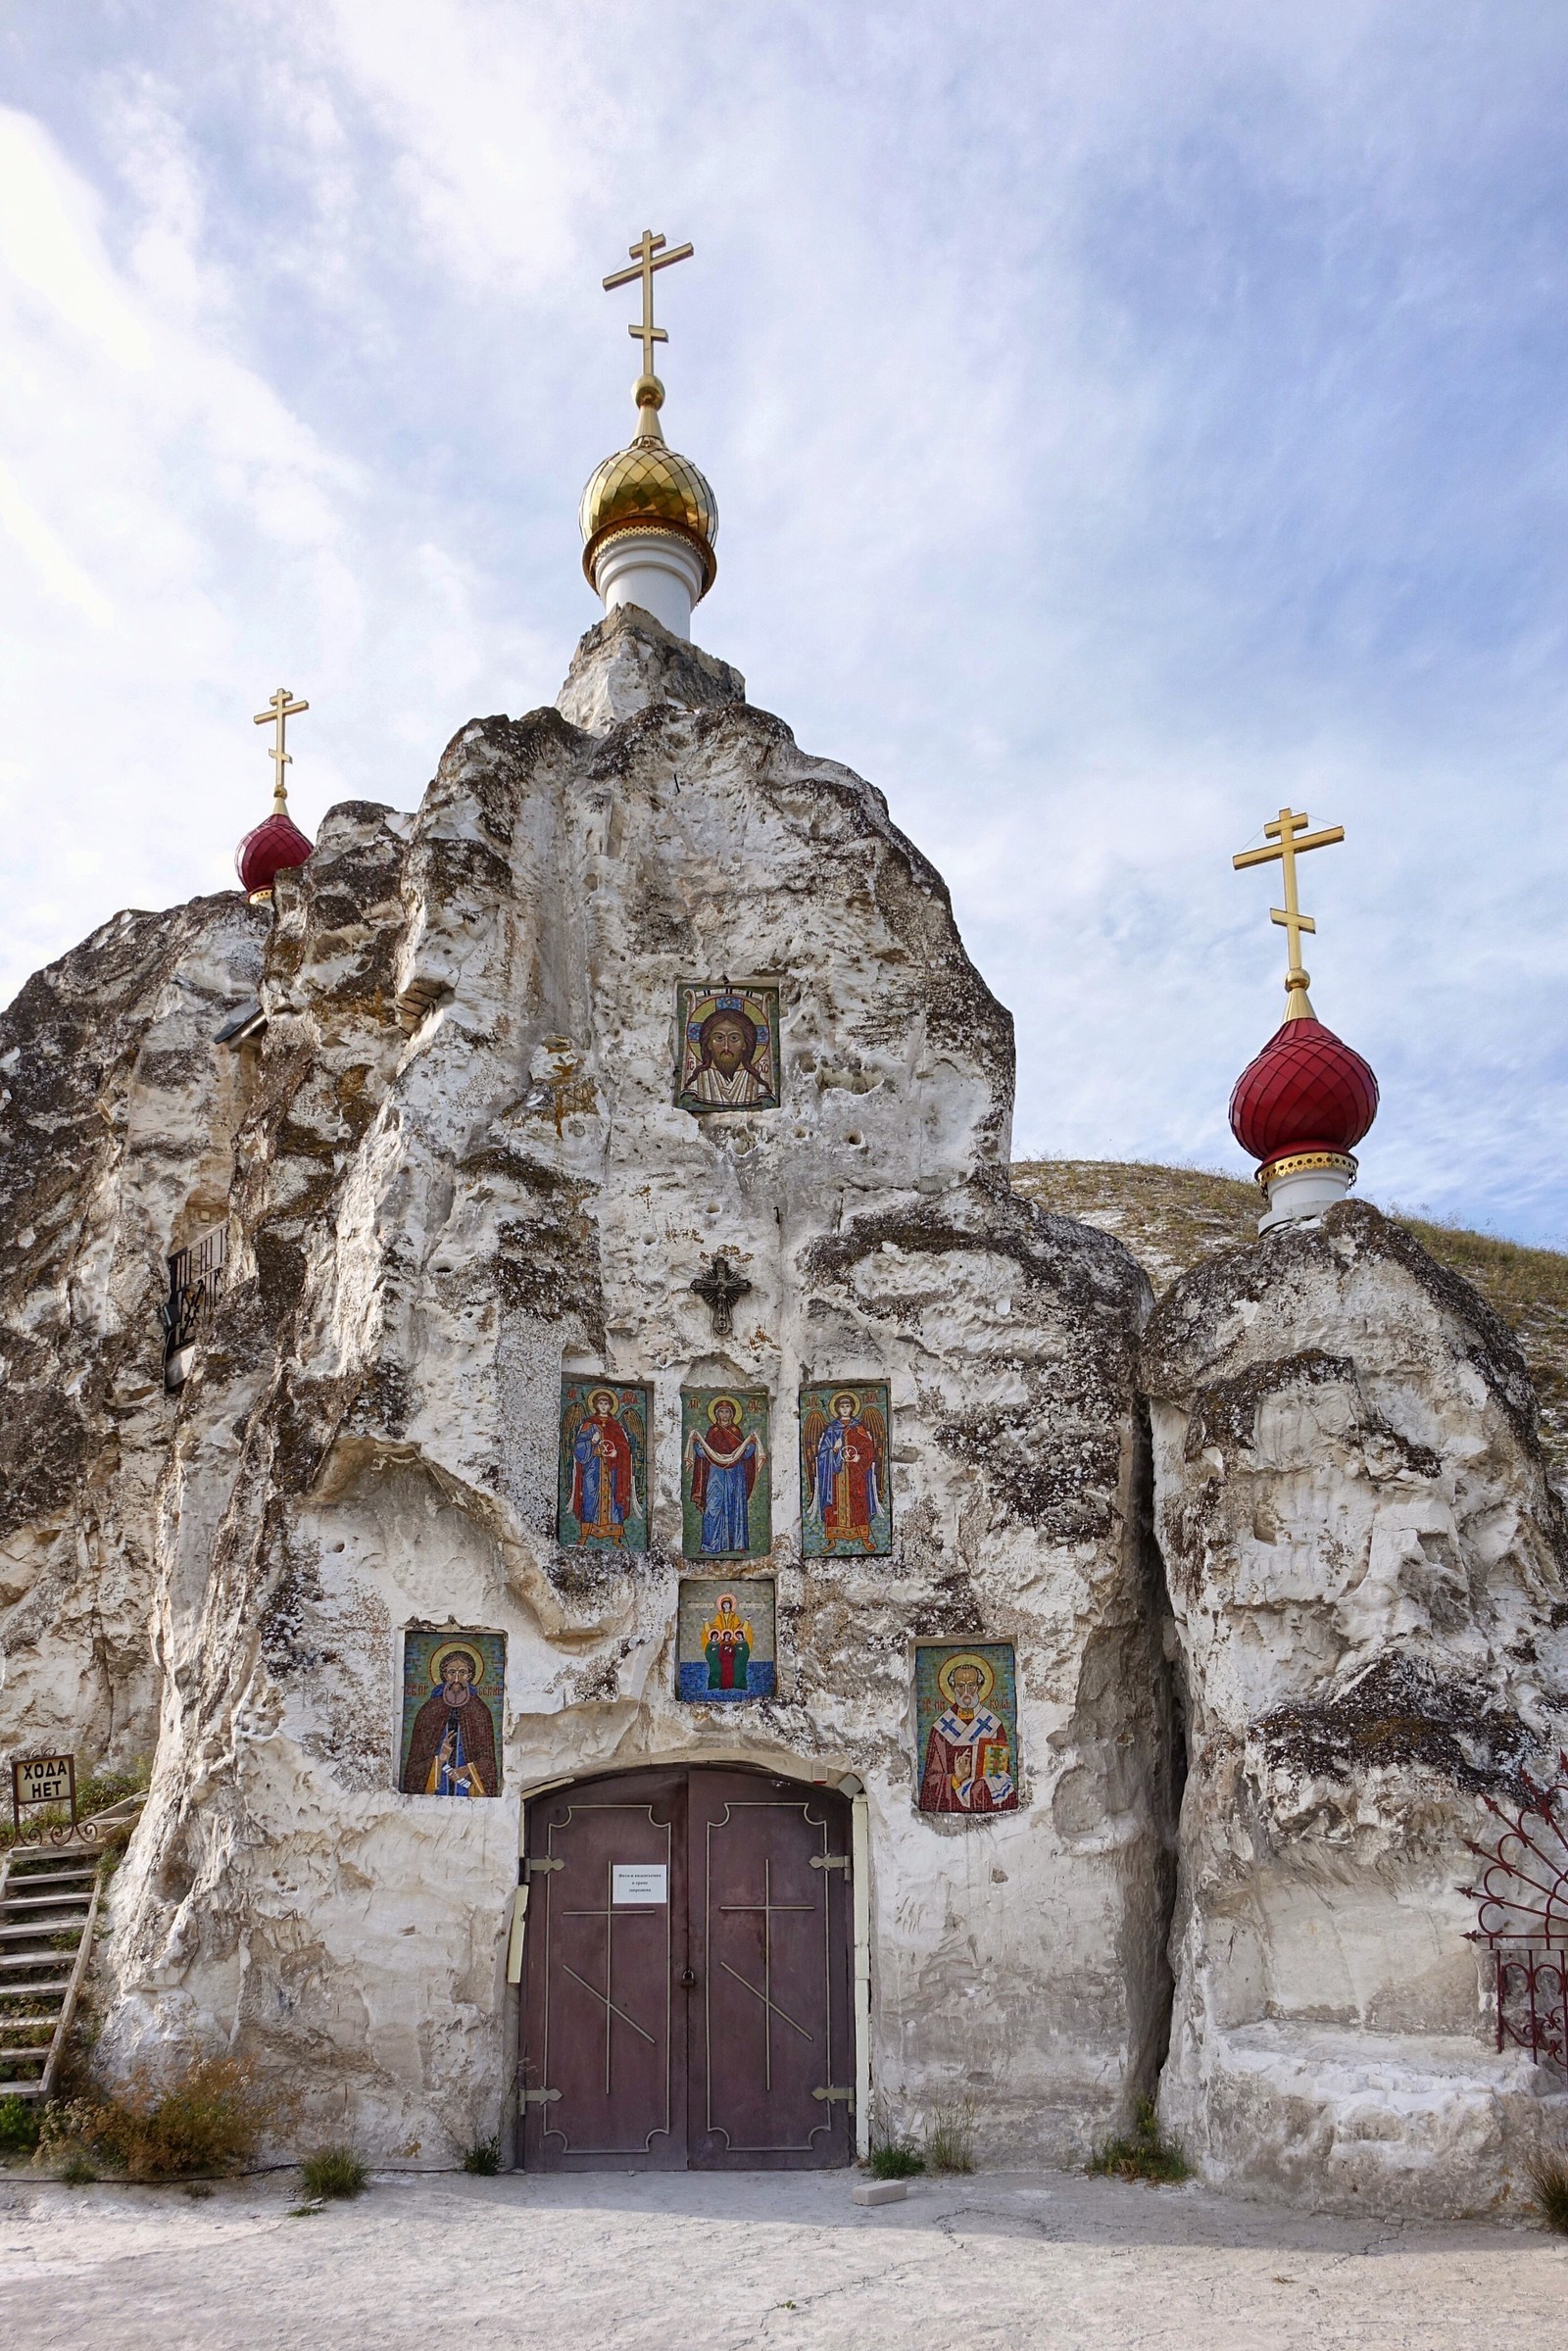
195,1285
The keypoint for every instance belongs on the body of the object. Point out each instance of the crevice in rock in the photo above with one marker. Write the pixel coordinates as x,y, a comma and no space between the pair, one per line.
1149,2040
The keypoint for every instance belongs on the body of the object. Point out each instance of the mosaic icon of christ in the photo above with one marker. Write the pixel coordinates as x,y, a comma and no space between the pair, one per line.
727,1057
726,1050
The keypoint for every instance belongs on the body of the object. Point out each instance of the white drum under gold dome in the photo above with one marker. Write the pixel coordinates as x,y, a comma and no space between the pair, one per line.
648,517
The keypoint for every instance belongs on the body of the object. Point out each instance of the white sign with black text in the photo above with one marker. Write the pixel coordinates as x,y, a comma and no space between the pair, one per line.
639,1881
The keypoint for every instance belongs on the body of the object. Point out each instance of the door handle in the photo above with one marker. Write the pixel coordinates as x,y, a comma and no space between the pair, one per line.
688,1976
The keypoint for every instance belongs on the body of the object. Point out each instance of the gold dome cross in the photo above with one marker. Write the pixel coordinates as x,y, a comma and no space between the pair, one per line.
644,263
1287,831
280,709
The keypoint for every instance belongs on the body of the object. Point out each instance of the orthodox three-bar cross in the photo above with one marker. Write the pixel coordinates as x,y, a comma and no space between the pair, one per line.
1288,832
647,256
720,1287
279,710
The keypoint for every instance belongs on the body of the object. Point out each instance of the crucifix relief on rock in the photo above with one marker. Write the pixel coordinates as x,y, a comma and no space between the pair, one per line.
720,1287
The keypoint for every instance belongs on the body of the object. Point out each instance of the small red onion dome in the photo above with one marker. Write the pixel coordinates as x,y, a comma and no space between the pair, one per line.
1305,1091
267,850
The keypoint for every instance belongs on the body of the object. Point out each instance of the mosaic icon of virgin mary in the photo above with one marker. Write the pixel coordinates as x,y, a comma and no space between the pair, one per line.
726,1505
452,1741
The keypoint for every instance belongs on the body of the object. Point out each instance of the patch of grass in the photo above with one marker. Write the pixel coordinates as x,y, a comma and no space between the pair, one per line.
949,2137
198,2190
99,1790
77,2172
333,2172
483,2157
1147,2155
894,2159
1548,2177
203,2114
19,2125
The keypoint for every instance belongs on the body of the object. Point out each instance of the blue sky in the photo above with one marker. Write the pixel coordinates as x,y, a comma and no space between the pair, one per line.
1123,418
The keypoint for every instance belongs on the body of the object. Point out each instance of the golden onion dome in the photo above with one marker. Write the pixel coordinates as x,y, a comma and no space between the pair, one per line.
649,486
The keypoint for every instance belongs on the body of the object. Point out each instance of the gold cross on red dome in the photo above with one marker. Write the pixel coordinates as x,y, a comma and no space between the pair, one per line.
1287,831
644,263
279,710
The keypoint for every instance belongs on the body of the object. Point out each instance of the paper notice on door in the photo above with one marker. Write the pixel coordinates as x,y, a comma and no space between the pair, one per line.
639,1881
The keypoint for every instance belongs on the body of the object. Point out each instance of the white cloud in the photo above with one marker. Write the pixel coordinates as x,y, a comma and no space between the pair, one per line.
1123,421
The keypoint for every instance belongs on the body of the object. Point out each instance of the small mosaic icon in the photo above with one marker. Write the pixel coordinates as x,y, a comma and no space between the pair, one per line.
846,1498
724,1638
726,1478
967,1714
601,1499
452,1685
728,1054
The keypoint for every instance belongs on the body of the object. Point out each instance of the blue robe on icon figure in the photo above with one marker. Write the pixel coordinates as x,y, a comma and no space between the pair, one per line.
724,1462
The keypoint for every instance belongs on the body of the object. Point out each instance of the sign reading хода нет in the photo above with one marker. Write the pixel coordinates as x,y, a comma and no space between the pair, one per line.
42,1779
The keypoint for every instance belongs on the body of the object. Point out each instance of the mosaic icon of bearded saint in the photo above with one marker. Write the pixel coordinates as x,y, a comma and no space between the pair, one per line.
603,1494
969,1757
846,1453
452,1746
727,1646
727,1050
724,1461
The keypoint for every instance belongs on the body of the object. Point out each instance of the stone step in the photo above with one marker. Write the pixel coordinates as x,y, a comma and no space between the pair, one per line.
31,1878
75,1900
24,2089
37,1928
12,1963
28,2030
34,1991
11,2057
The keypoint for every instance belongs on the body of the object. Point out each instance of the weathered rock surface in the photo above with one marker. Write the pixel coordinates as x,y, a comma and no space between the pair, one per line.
117,1111
1297,1535
1365,1564
368,1437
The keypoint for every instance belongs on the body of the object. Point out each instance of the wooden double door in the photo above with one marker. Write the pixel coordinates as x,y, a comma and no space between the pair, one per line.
687,1975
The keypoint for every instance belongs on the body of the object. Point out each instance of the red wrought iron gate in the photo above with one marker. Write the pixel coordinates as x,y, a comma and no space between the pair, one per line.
687,1975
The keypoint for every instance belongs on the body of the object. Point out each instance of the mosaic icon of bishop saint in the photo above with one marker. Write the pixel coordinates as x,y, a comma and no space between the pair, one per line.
968,1756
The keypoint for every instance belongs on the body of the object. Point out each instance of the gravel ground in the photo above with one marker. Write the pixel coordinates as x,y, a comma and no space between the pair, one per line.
713,2264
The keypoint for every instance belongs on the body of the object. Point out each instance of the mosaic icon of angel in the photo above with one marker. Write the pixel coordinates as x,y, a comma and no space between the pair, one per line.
845,1500
604,1456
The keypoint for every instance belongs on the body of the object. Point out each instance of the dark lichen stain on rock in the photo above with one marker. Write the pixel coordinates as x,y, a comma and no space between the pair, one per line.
1400,1715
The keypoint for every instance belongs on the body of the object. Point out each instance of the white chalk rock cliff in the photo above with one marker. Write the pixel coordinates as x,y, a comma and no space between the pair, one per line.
1365,1564
1319,1571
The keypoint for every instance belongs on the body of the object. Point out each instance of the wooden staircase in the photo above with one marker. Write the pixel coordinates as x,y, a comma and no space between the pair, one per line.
49,1897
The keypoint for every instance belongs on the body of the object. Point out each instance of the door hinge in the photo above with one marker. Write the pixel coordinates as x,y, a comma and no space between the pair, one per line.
828,2095
539,2097
537,1869
831,1861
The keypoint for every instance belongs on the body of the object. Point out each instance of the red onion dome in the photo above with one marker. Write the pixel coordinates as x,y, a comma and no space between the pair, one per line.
1306,1091
268,848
